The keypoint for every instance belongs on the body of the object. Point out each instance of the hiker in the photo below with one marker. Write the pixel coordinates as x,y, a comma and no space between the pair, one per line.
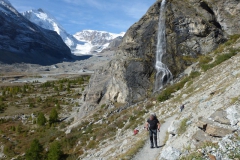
182,107
153,126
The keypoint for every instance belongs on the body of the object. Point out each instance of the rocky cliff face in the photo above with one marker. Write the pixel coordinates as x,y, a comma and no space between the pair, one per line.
194,27
23,41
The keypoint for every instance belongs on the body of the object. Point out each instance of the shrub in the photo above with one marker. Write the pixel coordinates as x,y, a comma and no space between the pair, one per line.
167,93
219,59
55,151
58,106
41,119
35,151
9,150
92,144
103,106
2,107
53,117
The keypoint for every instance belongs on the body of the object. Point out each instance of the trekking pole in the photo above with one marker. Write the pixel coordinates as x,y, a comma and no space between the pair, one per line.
159,137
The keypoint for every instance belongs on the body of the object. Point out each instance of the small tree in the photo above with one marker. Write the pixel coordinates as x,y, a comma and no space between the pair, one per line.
35,151
41,119
55,151
53,116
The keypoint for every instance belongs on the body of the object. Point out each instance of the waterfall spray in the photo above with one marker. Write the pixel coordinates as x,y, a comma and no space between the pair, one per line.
163,75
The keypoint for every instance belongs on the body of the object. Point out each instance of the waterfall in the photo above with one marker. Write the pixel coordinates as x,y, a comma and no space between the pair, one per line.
163,75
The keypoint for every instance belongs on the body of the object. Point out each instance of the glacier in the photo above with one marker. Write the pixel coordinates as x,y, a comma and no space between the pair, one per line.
82,43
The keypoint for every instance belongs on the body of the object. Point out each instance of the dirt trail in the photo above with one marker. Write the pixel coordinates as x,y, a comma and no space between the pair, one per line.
152,154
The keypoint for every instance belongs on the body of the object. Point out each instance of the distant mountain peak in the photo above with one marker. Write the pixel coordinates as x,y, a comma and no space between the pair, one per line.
84,42
40,10
5,1
45,20
23,41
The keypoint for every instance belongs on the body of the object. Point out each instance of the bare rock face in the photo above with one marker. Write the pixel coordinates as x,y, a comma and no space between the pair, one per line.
202,136
224,10
173,128
202,123
218,131
193,27
221,117
170,153
212,129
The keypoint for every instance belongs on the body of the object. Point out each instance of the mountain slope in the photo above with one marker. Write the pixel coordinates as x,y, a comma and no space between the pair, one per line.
47,21
189,33
23,41
211,99
84,42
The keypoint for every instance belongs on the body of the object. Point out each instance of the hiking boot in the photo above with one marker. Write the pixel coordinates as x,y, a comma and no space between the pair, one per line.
151,147
157,147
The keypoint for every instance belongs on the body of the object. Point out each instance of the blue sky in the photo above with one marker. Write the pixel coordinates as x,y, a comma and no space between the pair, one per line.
75,15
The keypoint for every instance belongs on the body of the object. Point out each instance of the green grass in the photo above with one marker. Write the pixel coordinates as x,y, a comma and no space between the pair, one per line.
234,100
183,126
232,39
195,156
32,98
204,60
167,93
219,59
133,150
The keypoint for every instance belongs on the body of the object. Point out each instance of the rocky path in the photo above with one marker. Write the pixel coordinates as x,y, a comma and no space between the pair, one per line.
152,154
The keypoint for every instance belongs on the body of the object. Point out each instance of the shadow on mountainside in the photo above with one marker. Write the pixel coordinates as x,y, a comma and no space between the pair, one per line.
43,59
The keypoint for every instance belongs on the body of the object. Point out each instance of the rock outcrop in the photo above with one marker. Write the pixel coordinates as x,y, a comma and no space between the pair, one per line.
194,27
213,129
23,41
170,153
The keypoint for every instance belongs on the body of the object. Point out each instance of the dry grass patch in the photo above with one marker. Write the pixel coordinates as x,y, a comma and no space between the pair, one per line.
134,148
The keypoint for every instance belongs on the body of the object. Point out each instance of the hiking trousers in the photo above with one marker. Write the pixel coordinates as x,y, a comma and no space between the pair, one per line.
153,136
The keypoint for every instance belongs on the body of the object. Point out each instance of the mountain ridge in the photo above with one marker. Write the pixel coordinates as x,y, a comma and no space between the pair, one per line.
23,41
81,43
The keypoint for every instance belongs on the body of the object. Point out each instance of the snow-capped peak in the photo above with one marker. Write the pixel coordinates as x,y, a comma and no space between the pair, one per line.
96,37
84,42
45,20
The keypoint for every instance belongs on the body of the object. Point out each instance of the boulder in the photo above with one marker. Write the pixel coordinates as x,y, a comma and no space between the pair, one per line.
174,126
201,136
218,131
233,114
221,117
170,153
202,123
